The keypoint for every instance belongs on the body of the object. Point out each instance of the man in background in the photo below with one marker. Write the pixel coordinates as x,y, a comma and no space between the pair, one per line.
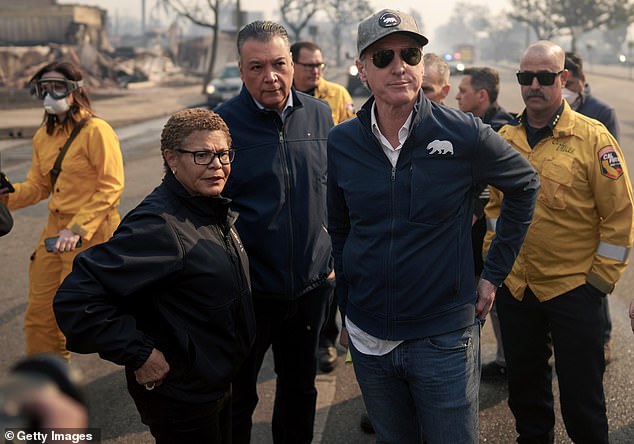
577,94
309,79
478,94
436,78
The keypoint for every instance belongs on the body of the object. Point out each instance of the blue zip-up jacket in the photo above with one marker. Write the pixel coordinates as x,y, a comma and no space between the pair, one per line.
598,109
278,185
402,235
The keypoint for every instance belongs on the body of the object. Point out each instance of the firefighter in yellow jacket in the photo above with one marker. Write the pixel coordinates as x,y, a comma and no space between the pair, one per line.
83,201
574,253
308,78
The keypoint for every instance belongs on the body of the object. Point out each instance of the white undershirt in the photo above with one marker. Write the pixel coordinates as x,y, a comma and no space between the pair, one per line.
391,153
282,114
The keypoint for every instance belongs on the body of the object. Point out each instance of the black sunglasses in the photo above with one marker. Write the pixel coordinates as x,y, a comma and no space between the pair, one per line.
525,78
384,57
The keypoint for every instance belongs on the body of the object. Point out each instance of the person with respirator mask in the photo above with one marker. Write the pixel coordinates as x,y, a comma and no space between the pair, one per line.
77,165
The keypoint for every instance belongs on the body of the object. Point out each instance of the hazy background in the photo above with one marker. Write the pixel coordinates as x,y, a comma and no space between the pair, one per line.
432,13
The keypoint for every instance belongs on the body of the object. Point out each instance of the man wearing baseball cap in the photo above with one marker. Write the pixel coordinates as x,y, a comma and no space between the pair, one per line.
402,177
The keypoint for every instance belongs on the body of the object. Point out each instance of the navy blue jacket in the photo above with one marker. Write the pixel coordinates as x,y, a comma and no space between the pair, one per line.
597,109
278,185
497,117
402,235
174,276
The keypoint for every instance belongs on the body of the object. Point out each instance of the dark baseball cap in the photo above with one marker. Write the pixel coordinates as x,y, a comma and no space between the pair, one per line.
386,22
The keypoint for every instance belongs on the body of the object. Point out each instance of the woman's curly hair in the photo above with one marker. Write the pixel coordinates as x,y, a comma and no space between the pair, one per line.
182,123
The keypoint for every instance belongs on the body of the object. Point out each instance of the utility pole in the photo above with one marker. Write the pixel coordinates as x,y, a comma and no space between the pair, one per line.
142,17
238,16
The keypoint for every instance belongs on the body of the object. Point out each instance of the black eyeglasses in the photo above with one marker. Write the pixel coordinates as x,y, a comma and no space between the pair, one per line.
384,57
311,66
525,78
207,157
57,88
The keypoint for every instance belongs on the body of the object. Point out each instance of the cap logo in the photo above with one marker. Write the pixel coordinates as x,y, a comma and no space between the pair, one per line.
389,20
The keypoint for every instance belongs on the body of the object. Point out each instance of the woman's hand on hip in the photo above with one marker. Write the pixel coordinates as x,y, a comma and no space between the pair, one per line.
153,370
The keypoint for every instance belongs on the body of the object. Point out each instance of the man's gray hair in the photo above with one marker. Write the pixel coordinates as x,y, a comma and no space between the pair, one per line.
437,63
262,31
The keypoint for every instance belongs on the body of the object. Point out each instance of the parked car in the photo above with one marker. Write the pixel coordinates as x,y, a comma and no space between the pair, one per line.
225,86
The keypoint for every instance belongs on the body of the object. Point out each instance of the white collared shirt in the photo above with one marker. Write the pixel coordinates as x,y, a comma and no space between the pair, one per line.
391,153
283,113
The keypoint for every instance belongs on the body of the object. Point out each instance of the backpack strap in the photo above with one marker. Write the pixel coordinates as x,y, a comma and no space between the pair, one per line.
57,167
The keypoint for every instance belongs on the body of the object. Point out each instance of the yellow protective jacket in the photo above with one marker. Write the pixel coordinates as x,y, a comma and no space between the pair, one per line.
582,229
338,98
90,184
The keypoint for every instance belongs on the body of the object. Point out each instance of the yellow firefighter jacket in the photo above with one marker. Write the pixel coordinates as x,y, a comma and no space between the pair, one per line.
582,229
337,97
90,184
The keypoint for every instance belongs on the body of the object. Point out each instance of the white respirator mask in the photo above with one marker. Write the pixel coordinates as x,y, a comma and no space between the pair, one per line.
56,106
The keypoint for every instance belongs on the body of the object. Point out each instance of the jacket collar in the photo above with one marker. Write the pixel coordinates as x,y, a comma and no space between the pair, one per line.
562,123
247,99
203,205
422,109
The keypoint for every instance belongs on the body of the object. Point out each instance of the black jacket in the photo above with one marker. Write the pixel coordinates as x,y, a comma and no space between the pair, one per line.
497,117
598,109
174,276
6,220
278,185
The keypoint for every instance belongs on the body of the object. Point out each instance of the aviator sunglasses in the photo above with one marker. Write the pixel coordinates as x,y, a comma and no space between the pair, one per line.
384,57
525,78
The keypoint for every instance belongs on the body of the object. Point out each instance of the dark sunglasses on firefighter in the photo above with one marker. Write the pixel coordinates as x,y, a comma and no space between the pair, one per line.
384,57
57,88
545,78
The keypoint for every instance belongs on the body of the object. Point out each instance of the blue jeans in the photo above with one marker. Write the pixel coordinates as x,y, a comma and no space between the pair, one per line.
424,389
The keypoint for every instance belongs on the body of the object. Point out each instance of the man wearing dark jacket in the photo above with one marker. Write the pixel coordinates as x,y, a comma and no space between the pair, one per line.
278,185
478,94
402,178
577,94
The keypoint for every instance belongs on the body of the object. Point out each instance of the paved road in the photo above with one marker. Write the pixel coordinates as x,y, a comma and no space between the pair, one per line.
339,402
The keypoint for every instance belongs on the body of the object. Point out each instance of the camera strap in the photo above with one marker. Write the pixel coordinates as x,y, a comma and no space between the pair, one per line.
57,167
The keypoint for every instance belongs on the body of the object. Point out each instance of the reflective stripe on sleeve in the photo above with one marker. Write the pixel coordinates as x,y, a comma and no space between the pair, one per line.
492,222
612,251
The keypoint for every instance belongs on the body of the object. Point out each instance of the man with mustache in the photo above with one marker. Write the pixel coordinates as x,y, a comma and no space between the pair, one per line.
574,253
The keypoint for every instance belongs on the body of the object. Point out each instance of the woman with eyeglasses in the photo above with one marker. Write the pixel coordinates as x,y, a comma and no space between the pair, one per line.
83,196
168,297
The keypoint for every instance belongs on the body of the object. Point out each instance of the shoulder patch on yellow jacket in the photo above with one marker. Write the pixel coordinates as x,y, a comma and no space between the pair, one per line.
609,163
